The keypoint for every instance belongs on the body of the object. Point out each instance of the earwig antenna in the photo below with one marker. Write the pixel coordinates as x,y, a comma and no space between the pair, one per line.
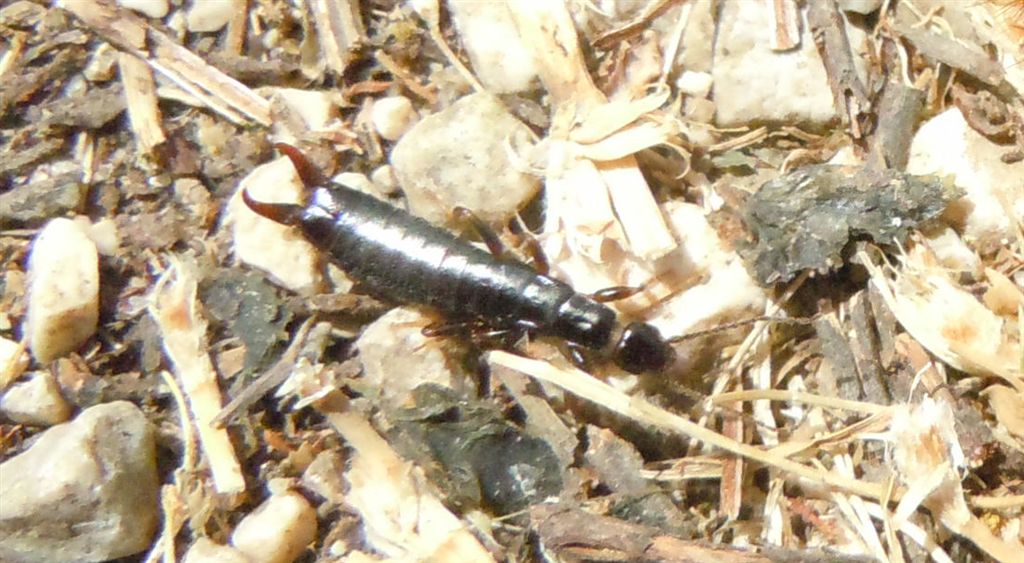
743,322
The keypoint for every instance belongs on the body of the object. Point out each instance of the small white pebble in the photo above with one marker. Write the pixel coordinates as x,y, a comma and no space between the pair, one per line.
864,7
151,8
205,550
696,84
316,108
104,234
397,357
36,401
63,293
393,116
947,146
356,181
209,15
278,531
384,178
102,64
360,182
460,156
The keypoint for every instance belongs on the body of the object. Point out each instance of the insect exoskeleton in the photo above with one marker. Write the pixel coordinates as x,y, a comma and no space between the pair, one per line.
402,258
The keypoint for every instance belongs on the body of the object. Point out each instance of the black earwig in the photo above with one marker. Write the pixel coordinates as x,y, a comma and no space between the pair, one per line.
403,258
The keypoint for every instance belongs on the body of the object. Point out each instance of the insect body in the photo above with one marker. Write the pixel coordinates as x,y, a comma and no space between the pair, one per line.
403,258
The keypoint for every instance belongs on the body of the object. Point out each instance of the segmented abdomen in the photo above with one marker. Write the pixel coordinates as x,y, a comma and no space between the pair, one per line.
404,258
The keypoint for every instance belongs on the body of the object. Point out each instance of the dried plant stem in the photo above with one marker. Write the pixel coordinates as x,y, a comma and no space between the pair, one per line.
581,384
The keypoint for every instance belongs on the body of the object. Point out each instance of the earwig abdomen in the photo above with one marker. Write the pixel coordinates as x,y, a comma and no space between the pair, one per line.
404,258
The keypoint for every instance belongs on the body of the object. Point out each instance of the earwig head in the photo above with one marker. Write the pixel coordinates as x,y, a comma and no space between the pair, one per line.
641,349
284,213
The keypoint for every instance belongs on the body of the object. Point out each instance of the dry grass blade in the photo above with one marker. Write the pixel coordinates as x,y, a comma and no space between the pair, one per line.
581,384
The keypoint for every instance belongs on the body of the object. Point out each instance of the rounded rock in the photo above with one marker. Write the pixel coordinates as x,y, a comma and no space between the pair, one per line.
36,401
461,157
86,490
63,294
393,116
278,531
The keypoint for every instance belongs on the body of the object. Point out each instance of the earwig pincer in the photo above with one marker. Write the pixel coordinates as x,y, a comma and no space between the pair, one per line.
403,258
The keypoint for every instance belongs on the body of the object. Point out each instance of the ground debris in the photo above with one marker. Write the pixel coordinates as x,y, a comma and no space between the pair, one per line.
481,460
249,309
803,220
869,414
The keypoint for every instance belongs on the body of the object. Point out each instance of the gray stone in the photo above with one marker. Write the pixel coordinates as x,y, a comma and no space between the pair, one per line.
86,490
36,401
33,203
461,156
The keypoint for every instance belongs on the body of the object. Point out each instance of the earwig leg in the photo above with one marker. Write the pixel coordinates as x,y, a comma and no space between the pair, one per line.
577,355
531,247
486,233
538,259
309,174
453,328
615,293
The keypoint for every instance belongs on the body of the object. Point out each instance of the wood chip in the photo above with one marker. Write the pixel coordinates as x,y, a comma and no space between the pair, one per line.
339,30
848,91
785,19
133,34
175,309
143,112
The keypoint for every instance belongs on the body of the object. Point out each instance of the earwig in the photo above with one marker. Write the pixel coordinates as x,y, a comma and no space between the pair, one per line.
402,258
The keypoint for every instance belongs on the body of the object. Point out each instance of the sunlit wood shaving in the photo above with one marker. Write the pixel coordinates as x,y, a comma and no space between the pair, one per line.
1008,406
183,331
13,360
172,507
854,510
140,94
948,320
928,460
604,120
1003,296
548,29
917,534
132,33
627,141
